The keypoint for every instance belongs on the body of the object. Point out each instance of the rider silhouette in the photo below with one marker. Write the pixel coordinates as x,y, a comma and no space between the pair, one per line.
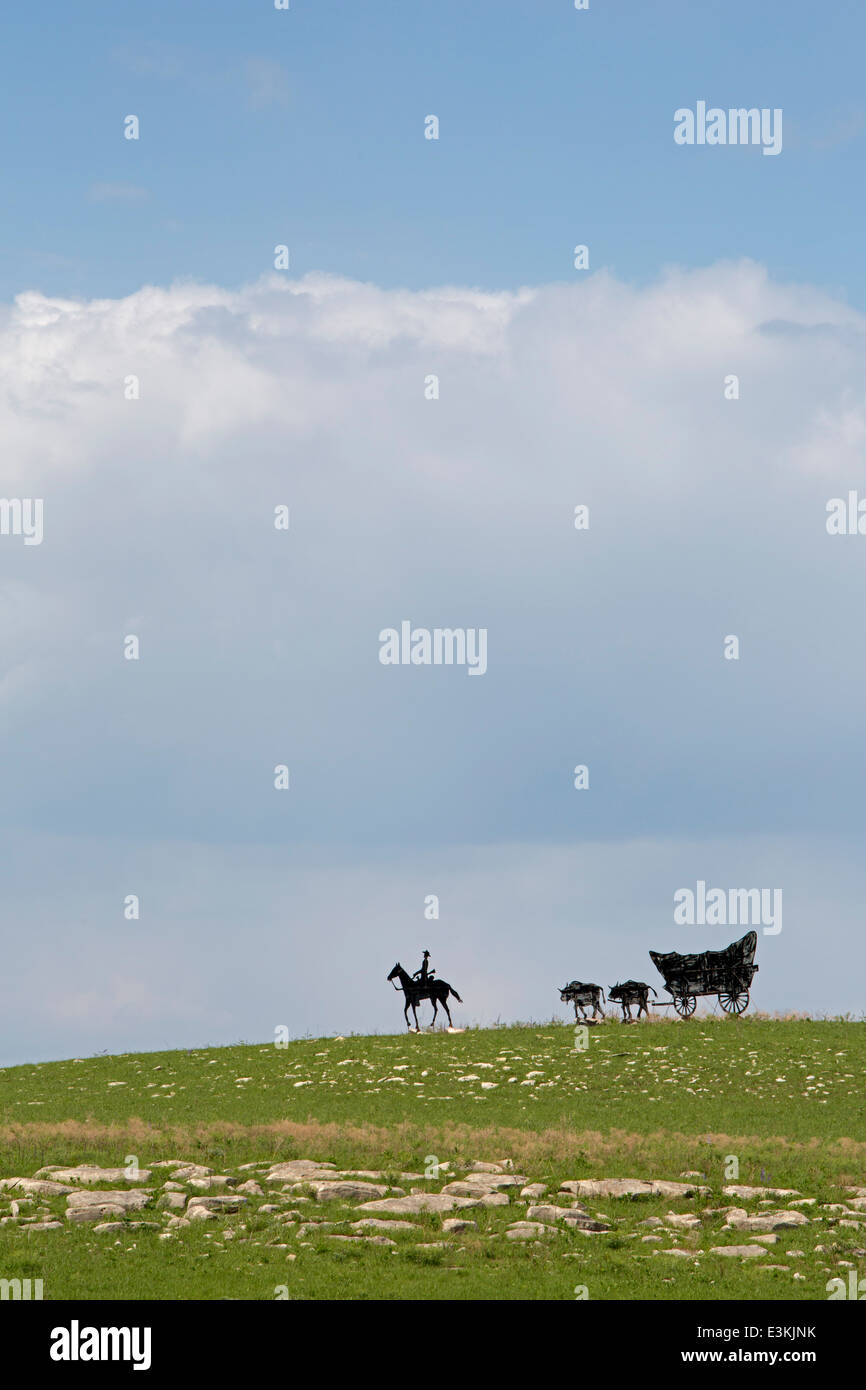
424,974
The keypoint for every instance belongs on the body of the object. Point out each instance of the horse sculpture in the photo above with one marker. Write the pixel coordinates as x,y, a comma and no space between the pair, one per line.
437,991
628,993
579,994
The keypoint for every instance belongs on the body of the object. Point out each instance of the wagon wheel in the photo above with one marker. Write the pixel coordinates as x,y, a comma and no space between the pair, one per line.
685,1004
735,1003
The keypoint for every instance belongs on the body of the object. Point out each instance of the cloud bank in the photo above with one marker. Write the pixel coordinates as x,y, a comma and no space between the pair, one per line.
260,646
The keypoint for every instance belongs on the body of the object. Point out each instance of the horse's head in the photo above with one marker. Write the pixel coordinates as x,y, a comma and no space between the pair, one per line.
565,992
396,971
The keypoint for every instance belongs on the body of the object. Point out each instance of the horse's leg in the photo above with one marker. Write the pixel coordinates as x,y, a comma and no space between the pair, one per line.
448,1012
435,1010
406,1014
415,1015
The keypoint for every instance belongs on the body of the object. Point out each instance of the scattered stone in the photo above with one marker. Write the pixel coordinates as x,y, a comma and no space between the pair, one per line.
172,1201
687,1222
572,1217
421,1201
90,1172
478,1167
38,1186
79,1215
347,1191
219,1205
647,1240
740,1220
454,1225
172,1187
529,1230
630,1187
481,1183
494,1199
209,1184
297,1169
44,1226
749,1192
191,1170
127,1199
535,1189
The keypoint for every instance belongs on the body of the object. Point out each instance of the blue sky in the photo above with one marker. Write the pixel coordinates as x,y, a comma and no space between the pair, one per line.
558,387
305,127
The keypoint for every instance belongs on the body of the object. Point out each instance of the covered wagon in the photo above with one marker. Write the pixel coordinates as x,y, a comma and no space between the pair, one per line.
728,974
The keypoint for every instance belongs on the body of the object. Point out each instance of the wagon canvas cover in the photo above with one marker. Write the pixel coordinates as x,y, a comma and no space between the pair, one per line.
708,971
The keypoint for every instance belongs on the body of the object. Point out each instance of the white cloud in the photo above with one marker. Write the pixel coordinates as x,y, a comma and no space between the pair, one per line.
604,647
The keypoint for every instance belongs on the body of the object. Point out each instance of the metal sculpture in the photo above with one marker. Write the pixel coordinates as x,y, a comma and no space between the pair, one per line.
425,986
628,993
728,974
581,995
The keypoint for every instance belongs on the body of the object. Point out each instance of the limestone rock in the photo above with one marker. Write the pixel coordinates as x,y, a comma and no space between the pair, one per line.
126,1199
79,1215
529,1230
740,1220
746,1252
218,1205
479,1184
347,1191
551,1214
454,1225
631,1187
297,1170
420,1201
41,1187
90,1172
202,1214
747,1193
687,1222
172,1201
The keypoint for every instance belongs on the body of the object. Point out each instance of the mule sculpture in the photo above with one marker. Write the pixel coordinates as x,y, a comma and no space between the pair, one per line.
628,993
437,991
580,994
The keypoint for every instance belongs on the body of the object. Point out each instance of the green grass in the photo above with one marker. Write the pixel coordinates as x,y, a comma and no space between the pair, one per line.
787,1099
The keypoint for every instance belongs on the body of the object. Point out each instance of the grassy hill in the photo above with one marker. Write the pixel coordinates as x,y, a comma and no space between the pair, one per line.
768,1103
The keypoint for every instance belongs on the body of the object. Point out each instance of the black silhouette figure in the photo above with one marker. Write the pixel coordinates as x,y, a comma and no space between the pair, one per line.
728,973
425,973
631,992
437,991
580,994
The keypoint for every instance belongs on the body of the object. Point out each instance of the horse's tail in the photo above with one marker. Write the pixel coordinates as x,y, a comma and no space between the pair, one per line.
650,987
601,991
456,995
